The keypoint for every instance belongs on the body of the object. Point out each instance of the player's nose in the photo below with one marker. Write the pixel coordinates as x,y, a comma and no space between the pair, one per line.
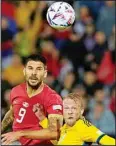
34,72
70,112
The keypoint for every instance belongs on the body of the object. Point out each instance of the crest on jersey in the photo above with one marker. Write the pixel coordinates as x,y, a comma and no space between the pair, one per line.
25,104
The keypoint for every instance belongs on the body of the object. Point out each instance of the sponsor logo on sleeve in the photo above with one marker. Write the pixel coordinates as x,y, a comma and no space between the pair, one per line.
57,107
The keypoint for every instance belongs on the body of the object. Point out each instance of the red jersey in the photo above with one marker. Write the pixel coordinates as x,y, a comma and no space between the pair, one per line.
24,117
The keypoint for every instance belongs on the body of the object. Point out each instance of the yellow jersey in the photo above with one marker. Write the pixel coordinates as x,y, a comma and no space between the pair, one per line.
82,133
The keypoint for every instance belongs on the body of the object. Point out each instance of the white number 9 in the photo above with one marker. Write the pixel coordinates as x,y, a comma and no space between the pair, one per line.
22,113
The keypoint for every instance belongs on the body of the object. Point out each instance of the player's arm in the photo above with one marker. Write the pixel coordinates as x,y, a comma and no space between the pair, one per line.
94,135
106,140
52,132
7,120
55,118
43,120
44,124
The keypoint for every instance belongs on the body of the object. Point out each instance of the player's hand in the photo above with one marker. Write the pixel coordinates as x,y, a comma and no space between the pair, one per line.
10,137
39,111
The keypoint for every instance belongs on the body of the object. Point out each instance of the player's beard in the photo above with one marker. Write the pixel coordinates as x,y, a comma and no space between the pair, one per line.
35,87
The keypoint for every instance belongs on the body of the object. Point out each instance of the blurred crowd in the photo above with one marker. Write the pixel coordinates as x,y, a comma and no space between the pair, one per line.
79,59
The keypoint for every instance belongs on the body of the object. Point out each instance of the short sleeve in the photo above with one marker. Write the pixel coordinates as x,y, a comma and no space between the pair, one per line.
54,105
91,134
13,94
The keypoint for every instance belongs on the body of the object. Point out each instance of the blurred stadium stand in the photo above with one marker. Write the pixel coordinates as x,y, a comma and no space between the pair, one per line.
80,59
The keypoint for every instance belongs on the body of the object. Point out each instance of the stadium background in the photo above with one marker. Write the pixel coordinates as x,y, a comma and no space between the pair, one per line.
80,59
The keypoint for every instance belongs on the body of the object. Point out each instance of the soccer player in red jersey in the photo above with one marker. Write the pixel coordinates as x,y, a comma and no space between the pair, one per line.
26,96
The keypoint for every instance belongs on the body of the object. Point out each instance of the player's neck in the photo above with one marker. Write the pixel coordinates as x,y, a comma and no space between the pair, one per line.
32,92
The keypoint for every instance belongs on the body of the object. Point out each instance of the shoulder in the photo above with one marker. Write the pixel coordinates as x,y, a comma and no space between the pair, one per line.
48,89
17,89
52,101
83,123
51,93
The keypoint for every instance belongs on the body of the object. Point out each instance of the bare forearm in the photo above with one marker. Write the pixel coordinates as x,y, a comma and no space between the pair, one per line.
41,134
7,120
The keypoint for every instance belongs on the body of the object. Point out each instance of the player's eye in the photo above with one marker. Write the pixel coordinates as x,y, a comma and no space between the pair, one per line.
30,68
39,68
74,108
66,108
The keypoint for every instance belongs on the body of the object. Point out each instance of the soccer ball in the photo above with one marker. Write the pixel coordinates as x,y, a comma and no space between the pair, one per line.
60,15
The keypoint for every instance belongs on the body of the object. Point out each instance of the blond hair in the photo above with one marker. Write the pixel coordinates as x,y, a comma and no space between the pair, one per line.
76,97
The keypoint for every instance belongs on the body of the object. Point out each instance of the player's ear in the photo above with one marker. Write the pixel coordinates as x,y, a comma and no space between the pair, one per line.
45,74
82,111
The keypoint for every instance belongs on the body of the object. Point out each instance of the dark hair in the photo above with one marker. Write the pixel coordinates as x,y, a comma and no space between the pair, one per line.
35,57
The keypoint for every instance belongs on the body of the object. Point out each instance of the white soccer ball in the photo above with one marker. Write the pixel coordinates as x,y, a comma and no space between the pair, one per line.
60,15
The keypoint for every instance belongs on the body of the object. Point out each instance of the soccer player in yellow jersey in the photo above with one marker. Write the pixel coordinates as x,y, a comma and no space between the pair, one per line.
76,130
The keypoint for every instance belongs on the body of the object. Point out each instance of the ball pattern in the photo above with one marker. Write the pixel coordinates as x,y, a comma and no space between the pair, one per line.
60,15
